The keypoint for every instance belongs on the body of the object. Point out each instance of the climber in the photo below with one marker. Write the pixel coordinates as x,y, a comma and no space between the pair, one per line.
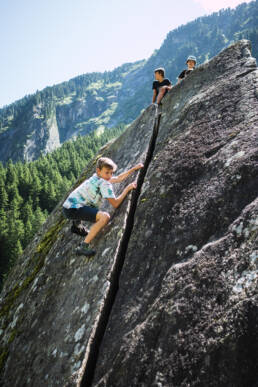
191,63
83,202
160,86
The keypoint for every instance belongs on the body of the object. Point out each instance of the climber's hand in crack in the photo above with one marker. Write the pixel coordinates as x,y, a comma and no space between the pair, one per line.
115,202
132,186
138,166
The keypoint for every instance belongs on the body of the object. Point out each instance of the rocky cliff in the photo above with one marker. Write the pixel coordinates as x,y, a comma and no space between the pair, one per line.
170,299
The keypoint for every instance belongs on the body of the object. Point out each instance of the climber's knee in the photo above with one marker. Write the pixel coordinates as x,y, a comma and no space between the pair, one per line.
103,217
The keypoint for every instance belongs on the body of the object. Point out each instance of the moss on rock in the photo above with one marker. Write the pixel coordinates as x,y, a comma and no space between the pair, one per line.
38,259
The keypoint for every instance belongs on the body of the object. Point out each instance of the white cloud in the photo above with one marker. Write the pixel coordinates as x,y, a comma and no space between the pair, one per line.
213,6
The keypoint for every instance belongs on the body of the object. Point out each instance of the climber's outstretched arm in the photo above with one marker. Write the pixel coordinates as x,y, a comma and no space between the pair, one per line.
124,175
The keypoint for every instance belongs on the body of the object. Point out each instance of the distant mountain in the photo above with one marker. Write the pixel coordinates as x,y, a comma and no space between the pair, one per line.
41,122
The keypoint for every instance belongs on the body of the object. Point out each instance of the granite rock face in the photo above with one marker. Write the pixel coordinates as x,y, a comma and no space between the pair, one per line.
53,299
186,313
26,142
170,299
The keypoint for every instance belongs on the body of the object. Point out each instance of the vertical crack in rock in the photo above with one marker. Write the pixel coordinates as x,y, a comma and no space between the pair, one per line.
101,323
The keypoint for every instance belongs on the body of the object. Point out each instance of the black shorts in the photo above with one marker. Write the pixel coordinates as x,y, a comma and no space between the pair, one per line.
82,213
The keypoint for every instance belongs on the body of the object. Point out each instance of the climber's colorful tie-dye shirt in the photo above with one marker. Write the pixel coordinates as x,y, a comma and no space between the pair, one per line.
90,193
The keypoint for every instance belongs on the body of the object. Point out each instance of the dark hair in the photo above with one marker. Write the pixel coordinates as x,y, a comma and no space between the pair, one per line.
106,162
161,71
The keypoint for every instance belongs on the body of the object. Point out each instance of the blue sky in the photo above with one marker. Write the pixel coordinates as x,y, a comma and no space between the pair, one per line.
44,42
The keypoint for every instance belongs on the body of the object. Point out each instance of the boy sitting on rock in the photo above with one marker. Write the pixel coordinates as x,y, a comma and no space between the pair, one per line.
191,63
83,202
160,86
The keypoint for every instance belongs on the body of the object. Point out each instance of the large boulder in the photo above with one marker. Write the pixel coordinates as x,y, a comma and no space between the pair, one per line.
186,313
170,299
53,300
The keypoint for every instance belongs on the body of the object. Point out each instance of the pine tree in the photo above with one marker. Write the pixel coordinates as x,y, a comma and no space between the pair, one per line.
11,175
16,251
28,232
3,197
3,223
15,200
27,211
39,216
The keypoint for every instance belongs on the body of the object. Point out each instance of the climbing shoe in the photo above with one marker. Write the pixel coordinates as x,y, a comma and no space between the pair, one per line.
80,230
85,250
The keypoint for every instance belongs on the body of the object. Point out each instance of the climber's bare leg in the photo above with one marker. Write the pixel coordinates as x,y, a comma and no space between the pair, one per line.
102,218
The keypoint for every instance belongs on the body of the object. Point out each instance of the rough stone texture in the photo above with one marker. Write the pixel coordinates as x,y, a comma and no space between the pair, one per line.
186,313
33,136
46,134
52,298
186,310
